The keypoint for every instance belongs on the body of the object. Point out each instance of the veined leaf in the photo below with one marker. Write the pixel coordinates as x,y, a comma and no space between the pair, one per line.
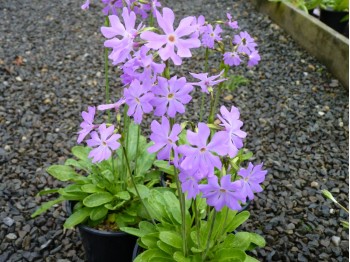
44,207
171,238
98,199
164,167
81,152
77,217
98,213
62,173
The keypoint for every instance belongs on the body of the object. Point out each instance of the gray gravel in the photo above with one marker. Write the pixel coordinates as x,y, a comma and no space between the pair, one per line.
295,112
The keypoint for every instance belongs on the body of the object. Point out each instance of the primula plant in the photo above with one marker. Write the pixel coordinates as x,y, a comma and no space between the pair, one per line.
115,178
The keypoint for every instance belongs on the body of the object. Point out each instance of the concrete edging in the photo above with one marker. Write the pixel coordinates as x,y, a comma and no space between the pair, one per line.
321,41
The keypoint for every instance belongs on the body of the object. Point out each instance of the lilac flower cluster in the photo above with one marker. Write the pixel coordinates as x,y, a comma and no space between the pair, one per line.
143,54
201,157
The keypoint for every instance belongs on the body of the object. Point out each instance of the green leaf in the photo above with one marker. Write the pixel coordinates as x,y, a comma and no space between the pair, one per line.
241,240
62,173
98,213
131,140
165,247
143,191
164,167
98,199
150,240
238,220
115,206
257,240
81,152
72,195
172,207
44,207
171,238
123,195
230,254
91,188
147,227
179,257
145,160
133,231
47,191
77,217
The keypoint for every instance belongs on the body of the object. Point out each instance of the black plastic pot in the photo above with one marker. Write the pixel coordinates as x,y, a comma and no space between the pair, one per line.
105,246
333,20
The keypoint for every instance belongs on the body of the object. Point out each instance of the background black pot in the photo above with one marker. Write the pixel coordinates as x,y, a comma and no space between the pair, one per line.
105,246
333,20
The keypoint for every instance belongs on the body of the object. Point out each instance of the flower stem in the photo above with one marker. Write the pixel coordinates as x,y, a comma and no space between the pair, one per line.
137,148
106,75
134,184
198,221
209,235
183,213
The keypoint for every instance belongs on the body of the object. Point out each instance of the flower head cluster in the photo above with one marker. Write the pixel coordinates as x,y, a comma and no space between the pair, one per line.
244,46
171,39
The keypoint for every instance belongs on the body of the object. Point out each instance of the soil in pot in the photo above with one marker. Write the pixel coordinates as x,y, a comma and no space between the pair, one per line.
105,246
333,19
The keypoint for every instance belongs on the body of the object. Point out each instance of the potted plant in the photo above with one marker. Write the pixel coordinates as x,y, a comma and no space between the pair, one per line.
113,181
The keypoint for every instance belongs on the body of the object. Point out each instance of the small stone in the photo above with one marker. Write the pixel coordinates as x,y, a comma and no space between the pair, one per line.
8,221
47,101
289,232
7,147
295,249
19,79
24,138
335,240
334,83
314,184
290,226
321,113
12,236
228,98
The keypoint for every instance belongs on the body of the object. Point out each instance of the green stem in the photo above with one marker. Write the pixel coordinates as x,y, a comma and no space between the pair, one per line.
134,184
197,219
106,75
166,72
183,213
209,236
137,148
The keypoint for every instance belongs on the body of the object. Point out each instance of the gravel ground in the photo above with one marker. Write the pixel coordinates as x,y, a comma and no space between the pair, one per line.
295,113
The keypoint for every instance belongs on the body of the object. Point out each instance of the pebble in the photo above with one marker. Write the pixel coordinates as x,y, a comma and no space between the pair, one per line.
11,236
314,184
8,221
335,240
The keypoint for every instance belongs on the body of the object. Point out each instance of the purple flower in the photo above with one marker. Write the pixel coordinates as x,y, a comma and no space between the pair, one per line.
152,6
189,182
244,42
164,139
171,96
230,120
86,5
166,43
121,47
227,194
138,99
232,58
116,105
198,23
143,68
254,58
87,124
210,35
207,82
111,6
252,177
230,23
103,144
201,154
